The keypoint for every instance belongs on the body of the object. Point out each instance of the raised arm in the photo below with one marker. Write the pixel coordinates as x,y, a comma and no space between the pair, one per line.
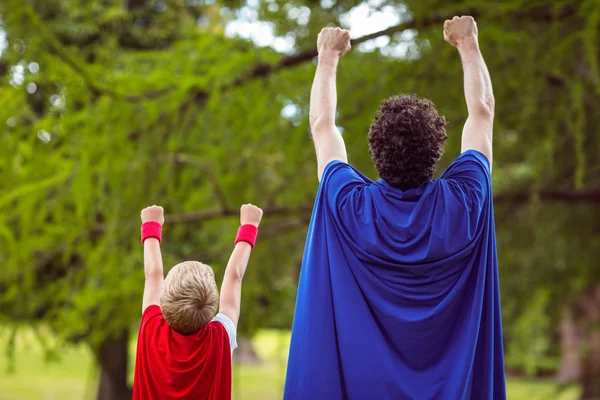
231,288
332,44
461,32
152,221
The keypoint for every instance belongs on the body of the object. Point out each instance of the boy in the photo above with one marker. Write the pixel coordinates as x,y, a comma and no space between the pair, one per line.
184,350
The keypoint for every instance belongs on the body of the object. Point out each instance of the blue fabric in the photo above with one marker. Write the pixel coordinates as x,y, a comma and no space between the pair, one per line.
398,295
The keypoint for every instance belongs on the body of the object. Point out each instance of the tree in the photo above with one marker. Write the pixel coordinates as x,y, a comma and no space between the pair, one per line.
100,120
125,104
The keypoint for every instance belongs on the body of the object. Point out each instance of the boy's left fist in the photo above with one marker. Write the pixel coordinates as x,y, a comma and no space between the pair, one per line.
153,213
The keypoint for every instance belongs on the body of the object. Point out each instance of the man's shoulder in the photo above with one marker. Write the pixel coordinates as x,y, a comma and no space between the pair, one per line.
470,160
338,177
151,311
471,170
337,166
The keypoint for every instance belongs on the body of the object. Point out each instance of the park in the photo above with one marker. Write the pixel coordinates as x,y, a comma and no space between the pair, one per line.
200,106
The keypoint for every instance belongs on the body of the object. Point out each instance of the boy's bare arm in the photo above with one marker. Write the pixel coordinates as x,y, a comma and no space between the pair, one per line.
231,288
332,44
153,266
477,132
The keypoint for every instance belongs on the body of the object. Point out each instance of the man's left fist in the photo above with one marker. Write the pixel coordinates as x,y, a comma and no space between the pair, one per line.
153,213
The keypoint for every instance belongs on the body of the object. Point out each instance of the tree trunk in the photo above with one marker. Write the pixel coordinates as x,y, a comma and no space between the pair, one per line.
112,357
570,348
590,380
245,353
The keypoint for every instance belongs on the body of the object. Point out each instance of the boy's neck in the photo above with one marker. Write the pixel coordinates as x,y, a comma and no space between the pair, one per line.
186,333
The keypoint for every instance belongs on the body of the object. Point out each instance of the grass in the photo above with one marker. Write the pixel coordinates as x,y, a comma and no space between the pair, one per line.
74,376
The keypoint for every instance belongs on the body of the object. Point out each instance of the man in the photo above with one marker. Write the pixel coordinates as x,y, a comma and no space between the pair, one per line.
184,349
398,295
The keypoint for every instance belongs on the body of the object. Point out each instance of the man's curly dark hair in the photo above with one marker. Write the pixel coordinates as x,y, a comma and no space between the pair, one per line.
406,140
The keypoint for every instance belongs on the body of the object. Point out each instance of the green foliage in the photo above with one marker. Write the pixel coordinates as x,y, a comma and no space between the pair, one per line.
531,339
134,105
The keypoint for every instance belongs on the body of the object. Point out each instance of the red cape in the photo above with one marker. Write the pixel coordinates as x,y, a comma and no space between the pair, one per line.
170,365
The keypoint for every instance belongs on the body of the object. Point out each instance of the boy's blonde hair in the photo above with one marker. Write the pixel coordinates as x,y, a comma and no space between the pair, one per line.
189,297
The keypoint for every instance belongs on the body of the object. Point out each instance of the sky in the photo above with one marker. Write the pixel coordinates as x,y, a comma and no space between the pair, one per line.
360,21
3,43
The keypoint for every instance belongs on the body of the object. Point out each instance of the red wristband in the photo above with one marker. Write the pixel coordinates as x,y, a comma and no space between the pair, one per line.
247,233
151,229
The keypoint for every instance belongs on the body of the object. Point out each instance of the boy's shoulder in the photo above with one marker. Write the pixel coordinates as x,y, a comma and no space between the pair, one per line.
152,310
229,326
152,318
151,313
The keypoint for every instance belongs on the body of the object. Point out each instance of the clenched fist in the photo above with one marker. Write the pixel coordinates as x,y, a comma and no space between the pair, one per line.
153,213
250,214
460,29
333,41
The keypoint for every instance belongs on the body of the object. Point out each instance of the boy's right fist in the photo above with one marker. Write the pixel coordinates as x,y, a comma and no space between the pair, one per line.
250,214
153,213
460,29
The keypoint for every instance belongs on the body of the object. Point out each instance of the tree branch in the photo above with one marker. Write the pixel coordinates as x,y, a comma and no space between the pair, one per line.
303,213
582,196
202,216
285,227
590,196
3,69
263,70
210,175
207,215
260,70
150,95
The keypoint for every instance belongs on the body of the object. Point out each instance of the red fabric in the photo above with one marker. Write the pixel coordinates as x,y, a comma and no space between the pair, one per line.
170,366
151,229
247,233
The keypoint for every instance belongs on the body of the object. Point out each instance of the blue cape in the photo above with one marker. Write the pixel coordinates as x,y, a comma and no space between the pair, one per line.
398,295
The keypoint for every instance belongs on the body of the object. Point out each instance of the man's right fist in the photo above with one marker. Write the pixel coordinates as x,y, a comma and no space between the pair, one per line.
460,29
334,41
153,213
250,214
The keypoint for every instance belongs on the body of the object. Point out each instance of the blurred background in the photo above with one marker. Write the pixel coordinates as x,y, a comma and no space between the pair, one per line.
107,106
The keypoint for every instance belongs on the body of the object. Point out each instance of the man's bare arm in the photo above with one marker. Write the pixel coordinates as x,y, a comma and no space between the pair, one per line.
153,266
231,288
332,44
477,132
